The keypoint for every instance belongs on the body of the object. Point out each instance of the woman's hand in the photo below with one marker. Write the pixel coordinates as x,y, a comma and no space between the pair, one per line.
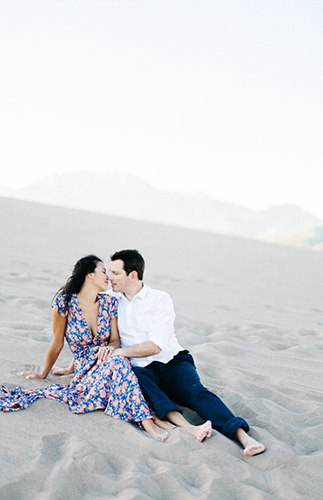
110,350
104,353
32,375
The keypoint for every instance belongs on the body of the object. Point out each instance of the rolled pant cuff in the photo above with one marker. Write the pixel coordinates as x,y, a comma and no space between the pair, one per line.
232,425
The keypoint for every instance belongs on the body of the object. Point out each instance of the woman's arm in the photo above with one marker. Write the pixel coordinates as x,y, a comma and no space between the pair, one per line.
114,342
59,325
114,334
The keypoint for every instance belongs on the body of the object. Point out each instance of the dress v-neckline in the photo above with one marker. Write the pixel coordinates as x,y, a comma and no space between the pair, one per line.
97,320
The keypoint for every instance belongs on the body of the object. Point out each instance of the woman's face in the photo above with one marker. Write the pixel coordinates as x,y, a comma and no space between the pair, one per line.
100,278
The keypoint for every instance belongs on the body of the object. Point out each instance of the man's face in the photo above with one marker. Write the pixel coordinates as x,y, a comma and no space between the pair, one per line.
118,276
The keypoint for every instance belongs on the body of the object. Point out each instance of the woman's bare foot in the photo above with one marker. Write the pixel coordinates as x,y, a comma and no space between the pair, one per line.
250,445
56,370
163,424
201,432
253,448
154,431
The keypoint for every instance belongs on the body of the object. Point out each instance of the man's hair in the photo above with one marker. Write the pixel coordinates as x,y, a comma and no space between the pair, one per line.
132,261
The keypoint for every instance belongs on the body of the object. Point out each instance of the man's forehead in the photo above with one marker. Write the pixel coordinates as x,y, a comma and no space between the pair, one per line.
116,265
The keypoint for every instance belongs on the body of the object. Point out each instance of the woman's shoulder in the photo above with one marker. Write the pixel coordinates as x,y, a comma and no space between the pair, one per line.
60,301
109,303
105,298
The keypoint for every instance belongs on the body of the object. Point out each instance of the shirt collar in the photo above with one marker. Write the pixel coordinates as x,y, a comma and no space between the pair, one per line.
141,294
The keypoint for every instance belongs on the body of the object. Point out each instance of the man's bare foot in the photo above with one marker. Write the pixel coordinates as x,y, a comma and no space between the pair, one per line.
252,447
154,431
56,370
201,432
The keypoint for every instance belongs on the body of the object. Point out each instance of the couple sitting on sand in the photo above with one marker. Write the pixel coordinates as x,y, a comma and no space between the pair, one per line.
104,379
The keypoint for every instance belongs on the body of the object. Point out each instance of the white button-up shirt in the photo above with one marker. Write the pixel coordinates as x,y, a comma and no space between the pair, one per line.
149,315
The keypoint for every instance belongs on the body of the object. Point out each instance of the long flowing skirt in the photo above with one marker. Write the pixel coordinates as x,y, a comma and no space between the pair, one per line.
112,387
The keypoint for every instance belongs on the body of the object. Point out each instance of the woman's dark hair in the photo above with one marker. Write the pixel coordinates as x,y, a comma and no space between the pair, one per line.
82,268
132,261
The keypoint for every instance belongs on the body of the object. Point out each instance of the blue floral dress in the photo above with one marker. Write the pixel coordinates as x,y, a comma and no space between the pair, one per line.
112,387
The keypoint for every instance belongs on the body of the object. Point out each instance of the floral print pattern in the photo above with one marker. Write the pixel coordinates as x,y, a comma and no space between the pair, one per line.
112,386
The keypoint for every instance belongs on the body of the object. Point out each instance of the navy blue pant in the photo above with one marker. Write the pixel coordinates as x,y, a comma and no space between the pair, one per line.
177,381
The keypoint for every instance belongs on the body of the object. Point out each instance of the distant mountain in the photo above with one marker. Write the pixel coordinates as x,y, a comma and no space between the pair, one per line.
287,218
306,237
127,196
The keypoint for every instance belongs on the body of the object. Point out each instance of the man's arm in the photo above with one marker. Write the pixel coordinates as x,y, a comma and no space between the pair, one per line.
142,350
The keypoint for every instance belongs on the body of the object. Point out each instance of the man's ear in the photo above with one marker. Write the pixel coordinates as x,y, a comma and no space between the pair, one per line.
133,275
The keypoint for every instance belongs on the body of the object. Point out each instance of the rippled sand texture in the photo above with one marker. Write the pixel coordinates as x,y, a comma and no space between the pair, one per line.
251,314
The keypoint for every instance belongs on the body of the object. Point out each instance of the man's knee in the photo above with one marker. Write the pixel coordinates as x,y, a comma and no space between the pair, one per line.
142,373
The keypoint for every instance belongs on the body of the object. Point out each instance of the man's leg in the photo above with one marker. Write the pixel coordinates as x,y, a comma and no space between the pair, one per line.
165,409
182,384
149,381
201,432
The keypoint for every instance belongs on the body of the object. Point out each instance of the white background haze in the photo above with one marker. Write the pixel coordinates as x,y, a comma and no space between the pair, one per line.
223,98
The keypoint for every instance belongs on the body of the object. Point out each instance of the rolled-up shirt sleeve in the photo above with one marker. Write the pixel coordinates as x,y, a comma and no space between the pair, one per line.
148,316
162,324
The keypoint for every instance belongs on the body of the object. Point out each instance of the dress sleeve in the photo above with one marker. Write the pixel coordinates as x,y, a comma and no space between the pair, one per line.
114,307
58,305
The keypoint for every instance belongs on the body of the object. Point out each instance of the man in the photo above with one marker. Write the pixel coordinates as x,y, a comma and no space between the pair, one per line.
166,372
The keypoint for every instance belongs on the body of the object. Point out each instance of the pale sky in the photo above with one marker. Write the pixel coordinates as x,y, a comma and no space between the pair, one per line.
222,97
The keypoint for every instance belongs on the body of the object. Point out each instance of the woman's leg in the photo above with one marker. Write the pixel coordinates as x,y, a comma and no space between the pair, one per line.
155,431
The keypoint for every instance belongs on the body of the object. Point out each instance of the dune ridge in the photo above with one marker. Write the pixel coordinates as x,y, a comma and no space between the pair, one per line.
251,314
125,195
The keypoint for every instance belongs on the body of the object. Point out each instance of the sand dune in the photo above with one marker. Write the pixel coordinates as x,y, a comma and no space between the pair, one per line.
250,312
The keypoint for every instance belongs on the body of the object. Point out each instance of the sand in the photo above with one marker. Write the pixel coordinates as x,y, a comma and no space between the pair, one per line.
251,313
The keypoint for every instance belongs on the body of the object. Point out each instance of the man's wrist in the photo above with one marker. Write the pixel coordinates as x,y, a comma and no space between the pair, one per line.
119,351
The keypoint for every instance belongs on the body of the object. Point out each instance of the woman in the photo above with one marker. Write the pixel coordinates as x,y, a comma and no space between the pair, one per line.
88,320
